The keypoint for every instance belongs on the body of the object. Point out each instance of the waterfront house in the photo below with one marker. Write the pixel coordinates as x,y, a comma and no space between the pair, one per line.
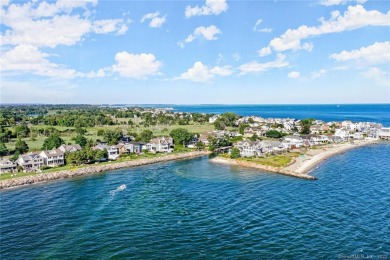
53,158
357,136
134,147
294,141
213,118
335,139
69,148
342,134
6,165
384,133
160,144
204,138
249,148
30,161
112,150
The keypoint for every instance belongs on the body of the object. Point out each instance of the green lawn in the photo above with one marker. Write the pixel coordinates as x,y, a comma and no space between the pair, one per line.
280,160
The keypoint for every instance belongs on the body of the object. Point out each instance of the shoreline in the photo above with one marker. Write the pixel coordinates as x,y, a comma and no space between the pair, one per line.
92,169
301,166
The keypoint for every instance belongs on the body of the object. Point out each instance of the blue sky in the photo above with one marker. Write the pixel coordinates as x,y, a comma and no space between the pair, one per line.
195,52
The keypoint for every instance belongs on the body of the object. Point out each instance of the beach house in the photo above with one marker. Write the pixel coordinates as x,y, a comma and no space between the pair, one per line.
112,150
6,165
69,148
53,158
160,144
30,161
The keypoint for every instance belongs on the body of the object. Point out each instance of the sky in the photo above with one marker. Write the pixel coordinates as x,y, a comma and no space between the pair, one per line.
195,52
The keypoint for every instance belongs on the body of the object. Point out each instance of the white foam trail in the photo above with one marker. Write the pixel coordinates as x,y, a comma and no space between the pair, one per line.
120,188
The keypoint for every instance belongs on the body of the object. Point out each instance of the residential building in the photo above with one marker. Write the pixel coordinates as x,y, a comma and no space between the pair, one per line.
53,158
112,150
69,148
384,133
6,165
30,161
160,144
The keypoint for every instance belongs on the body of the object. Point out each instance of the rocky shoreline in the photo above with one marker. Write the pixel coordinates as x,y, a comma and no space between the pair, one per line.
253,165
88,170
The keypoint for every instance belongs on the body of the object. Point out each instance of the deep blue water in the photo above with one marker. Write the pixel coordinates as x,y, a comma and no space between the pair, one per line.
193,209
378,113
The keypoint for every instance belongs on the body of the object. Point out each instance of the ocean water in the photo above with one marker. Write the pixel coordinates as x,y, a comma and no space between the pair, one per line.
193,209
378,113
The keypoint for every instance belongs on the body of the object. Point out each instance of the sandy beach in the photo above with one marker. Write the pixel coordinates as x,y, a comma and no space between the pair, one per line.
302,165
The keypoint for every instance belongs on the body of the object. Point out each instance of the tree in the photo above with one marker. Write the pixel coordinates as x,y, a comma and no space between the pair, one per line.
273,134
254,137
229,118
219,125
305,124
53,141
235,153
199,145
100,132
145,136
181,136
112,137
101,155
241,128
218,142
81,131
21,147
3,149
22,130
81,140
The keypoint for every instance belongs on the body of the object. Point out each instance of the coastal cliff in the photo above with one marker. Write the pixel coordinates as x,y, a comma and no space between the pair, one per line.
87,170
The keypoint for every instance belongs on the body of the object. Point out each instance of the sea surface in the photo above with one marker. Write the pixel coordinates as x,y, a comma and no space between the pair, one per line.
194,209
378,113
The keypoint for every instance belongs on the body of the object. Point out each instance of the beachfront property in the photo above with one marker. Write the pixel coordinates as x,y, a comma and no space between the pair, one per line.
6,165
30,161
131,147
384,133
160,145
342,134
249,148
69,148
295,141
213,119
53,158
112,150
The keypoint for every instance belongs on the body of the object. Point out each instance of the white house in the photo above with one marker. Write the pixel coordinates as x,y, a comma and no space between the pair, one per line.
213,119
384,133
294,140
6,165
69,148
249,148
53,158
30,161
342,134
112,150
160,144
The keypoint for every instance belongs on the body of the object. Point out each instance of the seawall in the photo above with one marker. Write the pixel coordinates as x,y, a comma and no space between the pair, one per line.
88,170
253,165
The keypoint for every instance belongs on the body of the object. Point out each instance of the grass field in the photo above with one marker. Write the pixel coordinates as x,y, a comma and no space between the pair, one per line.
280,160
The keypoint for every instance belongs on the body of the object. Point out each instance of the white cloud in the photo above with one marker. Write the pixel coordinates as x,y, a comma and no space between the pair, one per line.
201,73
354,17
379,52
255,67
339,2
27,58
108,26
236,56
317,74
50,25
211,7
265,30
208,33
136,65
265,51
155,19
378,75
294,74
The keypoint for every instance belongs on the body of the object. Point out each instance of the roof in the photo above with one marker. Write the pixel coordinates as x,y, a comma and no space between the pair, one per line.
54,152
70,147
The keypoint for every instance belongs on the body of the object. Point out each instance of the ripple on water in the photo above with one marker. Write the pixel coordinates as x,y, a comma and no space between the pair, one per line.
196,209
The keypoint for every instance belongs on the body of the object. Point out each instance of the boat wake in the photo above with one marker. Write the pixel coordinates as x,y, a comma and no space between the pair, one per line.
120,188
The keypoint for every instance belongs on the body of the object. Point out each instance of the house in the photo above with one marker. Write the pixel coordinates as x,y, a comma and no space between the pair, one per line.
249,148
69,148
6,165
273,146
295,141
357,136
160,144
112,150
204,138
53,158
134,147
30,161
384,133
213,119
335,139
127,138
342,134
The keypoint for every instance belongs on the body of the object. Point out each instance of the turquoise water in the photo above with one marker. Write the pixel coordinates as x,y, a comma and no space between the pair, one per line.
199,210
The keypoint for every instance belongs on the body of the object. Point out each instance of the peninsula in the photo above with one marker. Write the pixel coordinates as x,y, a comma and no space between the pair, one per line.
44,142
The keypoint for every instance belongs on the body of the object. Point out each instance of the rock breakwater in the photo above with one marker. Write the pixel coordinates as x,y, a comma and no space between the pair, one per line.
87,170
